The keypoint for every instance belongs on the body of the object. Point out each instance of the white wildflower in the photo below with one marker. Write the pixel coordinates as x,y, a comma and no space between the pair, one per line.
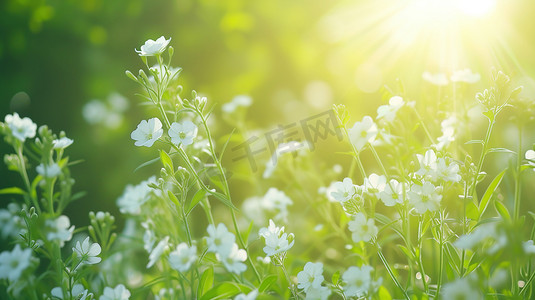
311,276
10,221
62,143
21,128
151,48
461,289
13,263
60,230
147,132
424,197
530,156
87,252
528,247
240,100
374,184
362,229
358,281
219,239
251,296
78,292
277,201
182,133
343,190
428,164
388,112
465,75
157,252
183,257
320,293
276,240
438,79
120,292
233,259
134,196
447,172
49,171
363,133
392,193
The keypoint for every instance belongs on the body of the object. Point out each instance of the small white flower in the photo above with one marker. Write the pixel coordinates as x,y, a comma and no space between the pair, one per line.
157,252
120,292
78,292
240,100
343,190
10,221
183,257
134,196
358,281
151,48
392,194
528,247
60,230
21,128
482,232
219,239
530,156
95,112
388,112
276,240
321,293
251,296
182,133
13,263
147,132
363,133
276,201
461,289
374,184
438,79
362,229
465,75
233,259
48,171
428,164
62,143
88,252
447,172
311,277
424,197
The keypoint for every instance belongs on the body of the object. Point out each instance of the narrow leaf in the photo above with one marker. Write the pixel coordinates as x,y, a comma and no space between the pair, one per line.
195,200
502,210
206,282
166,161
488,193
147,163
12,190
267,282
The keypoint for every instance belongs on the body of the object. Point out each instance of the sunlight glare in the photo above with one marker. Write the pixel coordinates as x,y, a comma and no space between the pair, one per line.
476,8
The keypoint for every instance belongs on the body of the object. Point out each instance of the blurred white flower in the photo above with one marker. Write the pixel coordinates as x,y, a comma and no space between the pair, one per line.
465,75
343,190
78,292
219,239
48,171
60,229
362,229
151,47
528,247
388,112
62,143
470,240
88,252
374,184
233,259
363,132
134,196
251,296
424,197
294,147
320,293
120,292
277,201
276,240
14,262
392,193
240,100
461,289
530,156
428,164
182,133
157,252
147,132
449,128
21,128
358,281
447,172
183,257
439,79
10,221
311,276
94,112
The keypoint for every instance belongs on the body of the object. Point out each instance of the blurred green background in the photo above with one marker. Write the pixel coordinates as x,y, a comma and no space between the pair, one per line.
294,58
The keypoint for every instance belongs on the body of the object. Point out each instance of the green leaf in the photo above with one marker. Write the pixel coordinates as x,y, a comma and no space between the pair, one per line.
488,193
13,191
173,198
206,282
267,282
222,291
336,277
247,233
223,199
407,252
453,256
502,150
226,144
147,163
474,142
383,294
472,211
502,210
195,200
166,161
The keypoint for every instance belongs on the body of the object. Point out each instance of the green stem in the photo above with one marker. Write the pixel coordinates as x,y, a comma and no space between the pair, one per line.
420,261
423,126
518,186
391,273
26,179
441,263
483,151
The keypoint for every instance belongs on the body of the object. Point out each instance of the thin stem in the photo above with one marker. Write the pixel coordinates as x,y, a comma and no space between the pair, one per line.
518,186
423,125
441,255
292,287
391,273
483,152
26,179
420,261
